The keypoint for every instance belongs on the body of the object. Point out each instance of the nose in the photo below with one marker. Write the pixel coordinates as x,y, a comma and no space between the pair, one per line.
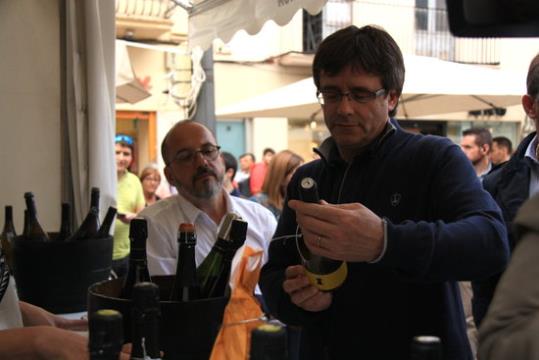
345,104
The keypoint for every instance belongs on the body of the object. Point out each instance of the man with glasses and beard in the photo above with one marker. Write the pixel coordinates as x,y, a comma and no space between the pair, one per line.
404,211
193,164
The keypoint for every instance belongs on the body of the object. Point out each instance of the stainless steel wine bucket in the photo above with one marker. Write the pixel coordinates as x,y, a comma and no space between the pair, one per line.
188,329
56,275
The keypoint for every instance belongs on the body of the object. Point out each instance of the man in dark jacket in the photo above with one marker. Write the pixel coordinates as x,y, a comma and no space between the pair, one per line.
512,184
406,212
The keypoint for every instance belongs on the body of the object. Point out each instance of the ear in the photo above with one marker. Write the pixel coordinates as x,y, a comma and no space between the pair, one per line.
528,103
392,100
168,175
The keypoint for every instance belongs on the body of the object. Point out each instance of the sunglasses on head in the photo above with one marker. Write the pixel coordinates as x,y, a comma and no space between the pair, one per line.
124,139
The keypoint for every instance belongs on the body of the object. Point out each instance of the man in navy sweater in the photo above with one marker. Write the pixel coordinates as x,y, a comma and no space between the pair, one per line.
406,212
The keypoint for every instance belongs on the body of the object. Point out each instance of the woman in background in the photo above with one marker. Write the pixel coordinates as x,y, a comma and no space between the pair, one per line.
280,171
150,179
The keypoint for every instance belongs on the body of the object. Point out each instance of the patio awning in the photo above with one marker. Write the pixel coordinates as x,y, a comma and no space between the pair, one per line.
431,87
211,19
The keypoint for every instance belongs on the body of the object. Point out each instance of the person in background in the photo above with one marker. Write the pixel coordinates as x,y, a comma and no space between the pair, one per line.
247,162
194,166
129,201
510,329
280,171
512,184
150,179
231,166
502,148
258,172
405,211
243,177
476,144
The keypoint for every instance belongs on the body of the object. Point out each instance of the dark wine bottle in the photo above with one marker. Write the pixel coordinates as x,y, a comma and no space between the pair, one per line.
145,317
213,274
65,226
32,229
90,225
8,235
105,338
426,348
138,265
185,286
326,274
268,342
104,230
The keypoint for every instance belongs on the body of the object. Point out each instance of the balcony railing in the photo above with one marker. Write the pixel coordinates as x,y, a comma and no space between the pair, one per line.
433,38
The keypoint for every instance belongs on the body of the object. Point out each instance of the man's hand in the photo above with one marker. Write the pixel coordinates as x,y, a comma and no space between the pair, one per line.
34,316
348,232
302,293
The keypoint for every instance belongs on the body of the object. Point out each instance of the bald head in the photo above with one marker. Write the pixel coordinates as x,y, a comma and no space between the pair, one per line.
182,135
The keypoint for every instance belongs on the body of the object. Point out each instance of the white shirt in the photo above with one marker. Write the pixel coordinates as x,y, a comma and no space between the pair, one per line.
534,176
165,216
10,311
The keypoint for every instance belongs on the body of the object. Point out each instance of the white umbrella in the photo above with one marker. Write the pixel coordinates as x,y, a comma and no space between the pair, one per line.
431,87
211,19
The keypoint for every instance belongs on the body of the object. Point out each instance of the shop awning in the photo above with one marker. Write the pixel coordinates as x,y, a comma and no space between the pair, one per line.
431,87
211,19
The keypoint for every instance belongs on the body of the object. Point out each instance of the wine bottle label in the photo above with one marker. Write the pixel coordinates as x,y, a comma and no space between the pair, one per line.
4,275
330,281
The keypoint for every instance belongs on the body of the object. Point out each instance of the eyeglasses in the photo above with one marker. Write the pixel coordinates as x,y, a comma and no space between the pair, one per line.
209,152
362,96
124,139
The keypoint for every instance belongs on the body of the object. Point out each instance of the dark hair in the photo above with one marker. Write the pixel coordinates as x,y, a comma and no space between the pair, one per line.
482,136
230,162
502,141
369,49
268,150
532,80
248,154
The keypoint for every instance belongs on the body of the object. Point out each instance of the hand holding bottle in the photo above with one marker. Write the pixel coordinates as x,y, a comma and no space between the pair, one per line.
302,293
348,232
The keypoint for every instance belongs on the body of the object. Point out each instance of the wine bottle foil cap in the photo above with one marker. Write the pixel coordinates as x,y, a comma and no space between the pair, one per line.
238,231
187,227
224,230
146,296
138,227
106,321
427,339
28,194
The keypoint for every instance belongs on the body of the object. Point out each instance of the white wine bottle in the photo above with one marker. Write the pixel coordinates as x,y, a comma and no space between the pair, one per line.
214,273
326,274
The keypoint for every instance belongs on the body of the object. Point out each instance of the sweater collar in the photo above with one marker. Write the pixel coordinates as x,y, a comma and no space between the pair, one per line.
329,152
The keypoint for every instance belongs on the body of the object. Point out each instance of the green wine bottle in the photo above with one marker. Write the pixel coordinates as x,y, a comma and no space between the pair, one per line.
105,337
214,272
185,286
8,235
32,228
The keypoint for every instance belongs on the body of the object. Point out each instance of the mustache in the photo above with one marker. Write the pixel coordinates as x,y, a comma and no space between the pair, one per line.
203,171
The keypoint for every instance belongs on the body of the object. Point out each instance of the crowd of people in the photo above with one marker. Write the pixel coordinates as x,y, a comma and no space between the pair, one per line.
426,227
